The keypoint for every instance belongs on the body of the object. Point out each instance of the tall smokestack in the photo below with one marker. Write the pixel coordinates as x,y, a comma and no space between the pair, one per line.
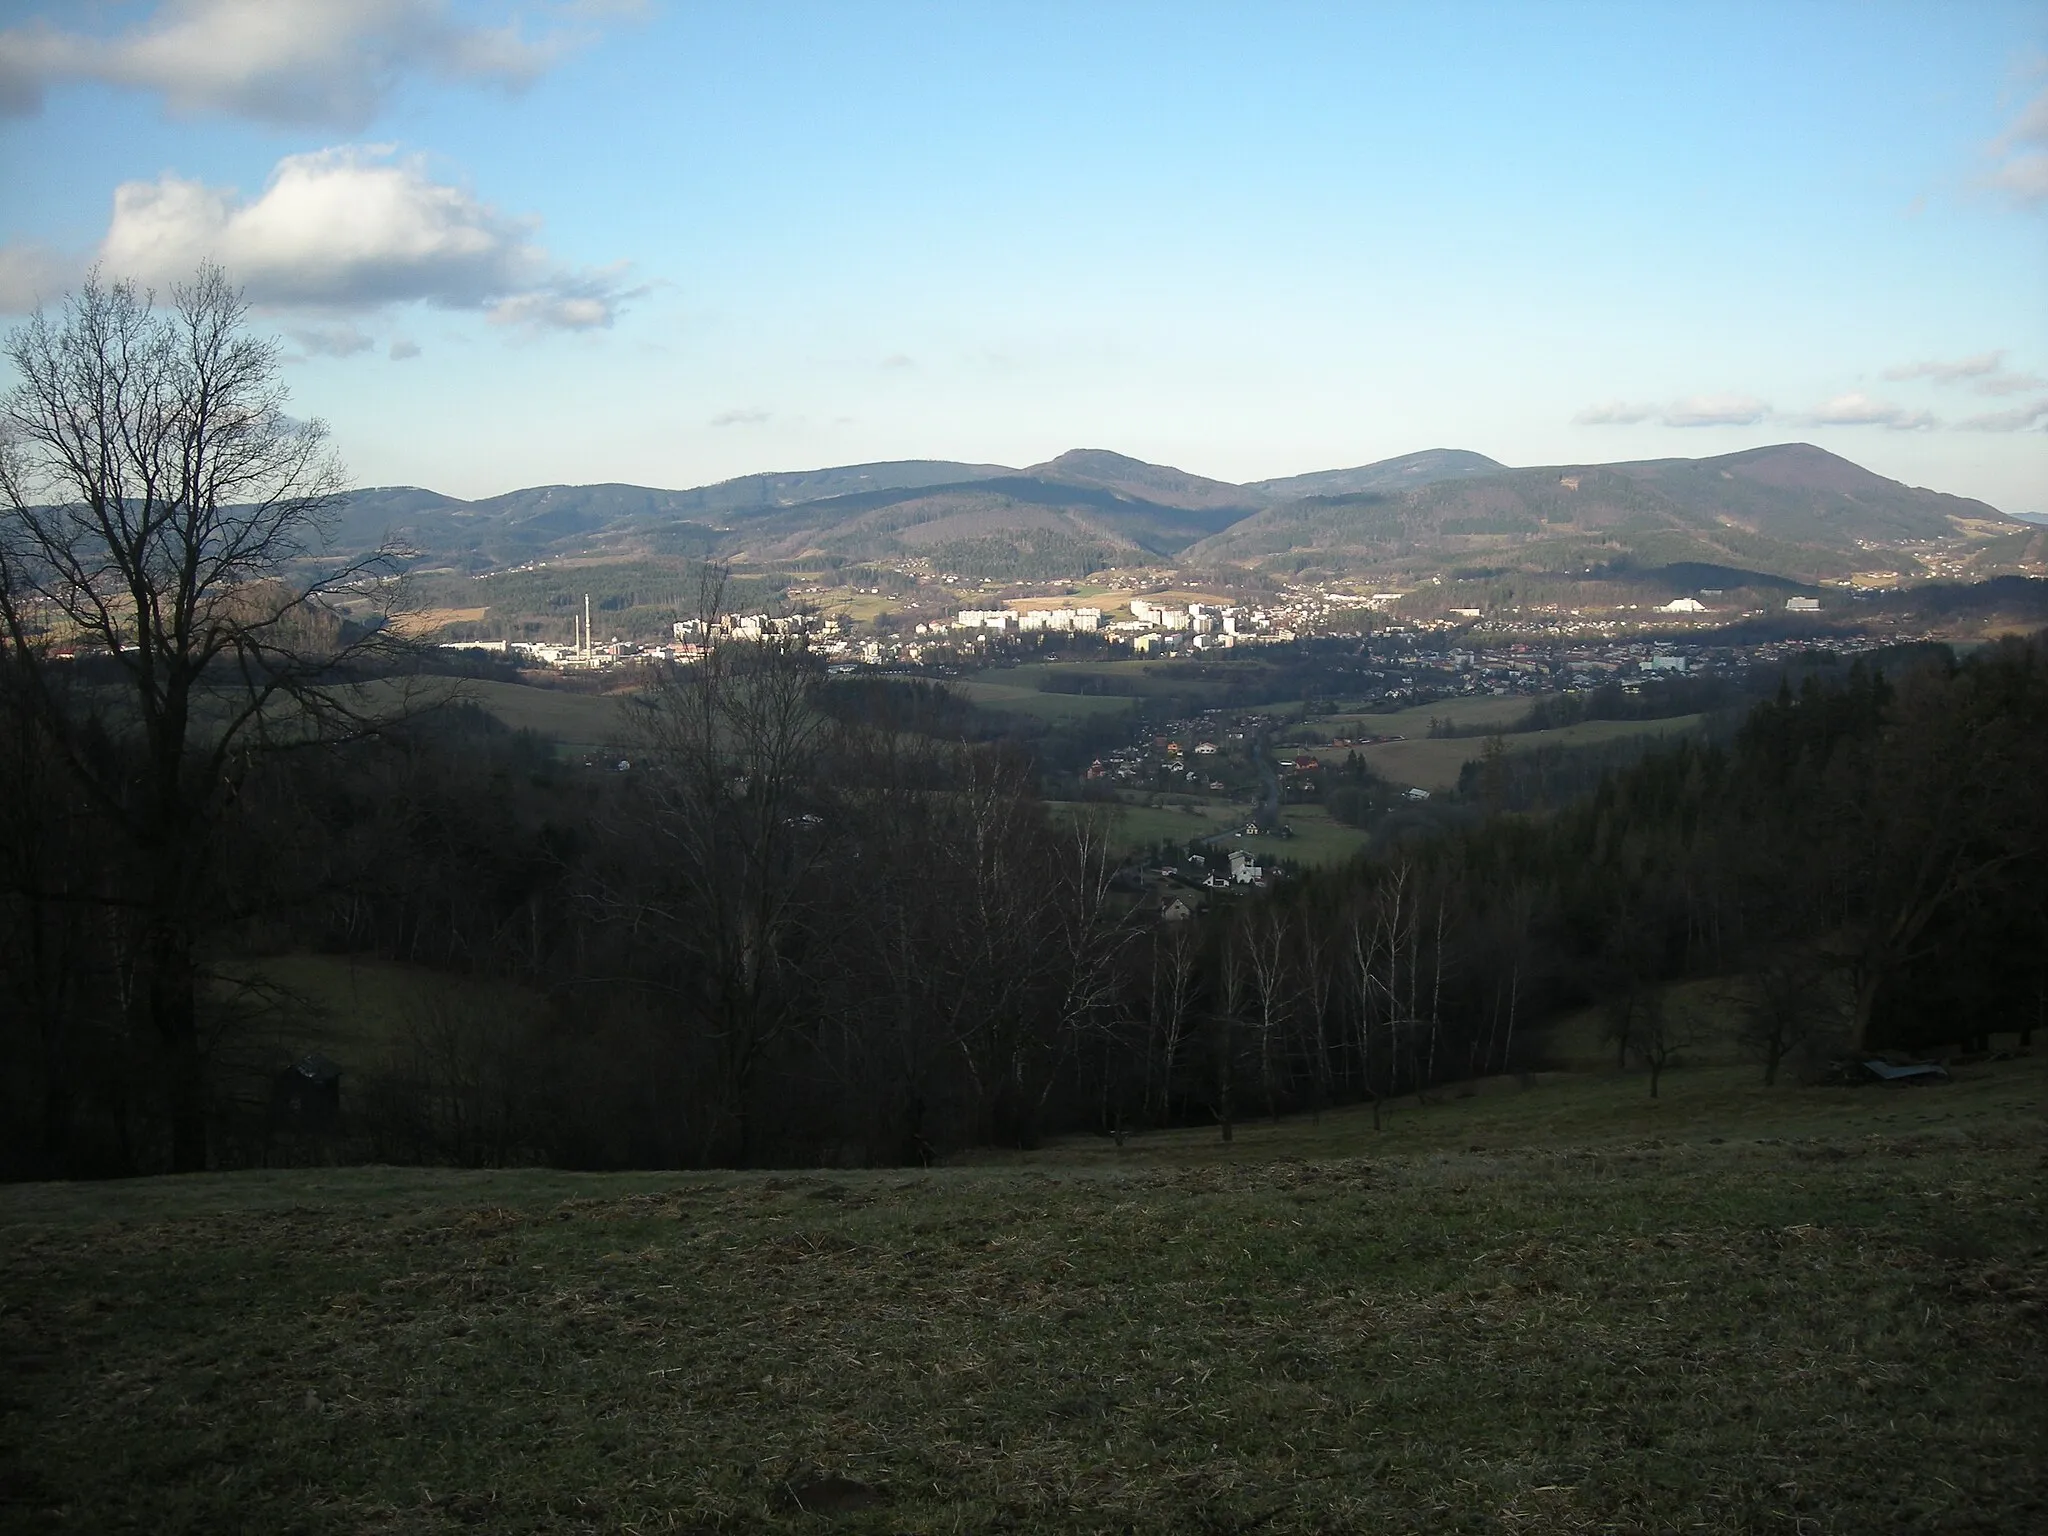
586,626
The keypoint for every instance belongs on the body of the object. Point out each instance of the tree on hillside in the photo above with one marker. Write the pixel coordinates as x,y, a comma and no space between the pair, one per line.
742,835
162,533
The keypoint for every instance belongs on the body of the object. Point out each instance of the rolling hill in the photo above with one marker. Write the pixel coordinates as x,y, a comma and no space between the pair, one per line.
1405,473
1791,511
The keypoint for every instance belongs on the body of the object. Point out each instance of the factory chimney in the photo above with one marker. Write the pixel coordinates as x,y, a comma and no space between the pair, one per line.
586,627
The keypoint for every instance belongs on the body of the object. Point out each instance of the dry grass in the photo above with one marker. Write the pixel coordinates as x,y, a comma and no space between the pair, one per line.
426,621
1434,763
1511,1322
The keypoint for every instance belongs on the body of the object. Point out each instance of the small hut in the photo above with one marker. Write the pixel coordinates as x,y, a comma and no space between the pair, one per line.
306,1097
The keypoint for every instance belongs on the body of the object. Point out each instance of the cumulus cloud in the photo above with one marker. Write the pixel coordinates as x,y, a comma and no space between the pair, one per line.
1949,373
1986,373
343,231
331,340
2020,154
2023,418
1696,411
304,62
1615,413
1716,411
739,418
403,351
32,274
899,360
1857,409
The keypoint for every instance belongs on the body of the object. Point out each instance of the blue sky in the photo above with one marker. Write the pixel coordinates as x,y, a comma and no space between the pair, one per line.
577,240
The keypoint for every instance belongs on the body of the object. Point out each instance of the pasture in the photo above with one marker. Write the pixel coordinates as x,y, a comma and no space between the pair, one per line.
581,722
1556,1307
1479,710
1433,763
1015,689
1317,840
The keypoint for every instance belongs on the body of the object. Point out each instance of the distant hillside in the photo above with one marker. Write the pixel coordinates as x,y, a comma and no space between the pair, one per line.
1804,494
1405,473
521,525
1015,526
1137,481
1791,511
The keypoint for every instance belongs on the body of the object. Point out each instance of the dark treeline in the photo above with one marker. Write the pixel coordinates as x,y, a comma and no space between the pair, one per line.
1656,700
817,923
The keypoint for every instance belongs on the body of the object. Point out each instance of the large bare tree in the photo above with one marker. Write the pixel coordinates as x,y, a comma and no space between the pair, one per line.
163,530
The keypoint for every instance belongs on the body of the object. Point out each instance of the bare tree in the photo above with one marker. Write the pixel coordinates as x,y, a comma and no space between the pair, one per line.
1319,967
1174,956
732,745
1263,938
163,521
1785,1004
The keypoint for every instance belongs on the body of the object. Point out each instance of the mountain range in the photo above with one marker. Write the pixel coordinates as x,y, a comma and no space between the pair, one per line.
1790,510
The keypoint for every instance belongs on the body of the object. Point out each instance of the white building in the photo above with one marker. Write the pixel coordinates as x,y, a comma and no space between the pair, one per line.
1061,620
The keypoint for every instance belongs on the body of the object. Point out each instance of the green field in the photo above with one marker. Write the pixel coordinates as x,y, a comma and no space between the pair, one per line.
1433,762
1011,688
1557,1307
1317,839
580,721
1480,710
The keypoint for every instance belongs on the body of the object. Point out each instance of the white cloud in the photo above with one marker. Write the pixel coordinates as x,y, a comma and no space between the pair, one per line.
1986,373
1857,409
2020,419
739,418
339,231
1948,373
32,274
1615,413
403,351
1716,411
325,62
332,340
1696,411
2021,169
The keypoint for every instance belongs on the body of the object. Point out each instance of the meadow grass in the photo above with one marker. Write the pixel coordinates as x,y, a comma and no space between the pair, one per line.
1317,839
1434,763
1463,712
1552,1307
1026,698
579,721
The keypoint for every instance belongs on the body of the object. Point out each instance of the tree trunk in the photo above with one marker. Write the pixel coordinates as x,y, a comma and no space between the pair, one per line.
1225,1108
174,1010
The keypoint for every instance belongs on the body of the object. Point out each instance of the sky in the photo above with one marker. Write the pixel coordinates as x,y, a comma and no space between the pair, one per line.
521,242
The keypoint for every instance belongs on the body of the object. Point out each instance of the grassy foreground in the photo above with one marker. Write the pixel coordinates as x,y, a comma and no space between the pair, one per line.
1552,1308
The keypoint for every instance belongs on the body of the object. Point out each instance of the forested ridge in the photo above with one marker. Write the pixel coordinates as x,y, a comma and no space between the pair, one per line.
814,923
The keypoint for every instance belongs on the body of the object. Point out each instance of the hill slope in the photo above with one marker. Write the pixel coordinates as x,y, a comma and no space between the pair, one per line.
1405,473
1790,510
1557,1307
